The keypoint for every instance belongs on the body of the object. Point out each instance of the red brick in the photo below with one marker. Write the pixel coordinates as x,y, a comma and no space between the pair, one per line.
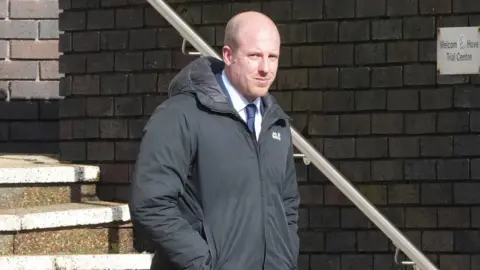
4,92
128,106
333,196
101,19
30,49
100,151
49,109
69,20
65,130
157,60
311,195
466,6
307,56
34,131
241,7
3,8
292,79
114,173
152,17
293,32
4,131
44,9
307,9
151,102
49,70
100,62
72,107
85,128
3,48
307,100
86,85
212,13
284,99
48,29
34,89
129,18
278,10
86,41
18,70
65,42
100,106
72,63
73,151
65,85
135,127
126,151
113,128
25,29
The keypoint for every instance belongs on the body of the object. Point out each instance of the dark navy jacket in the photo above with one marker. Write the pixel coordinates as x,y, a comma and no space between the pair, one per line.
208,193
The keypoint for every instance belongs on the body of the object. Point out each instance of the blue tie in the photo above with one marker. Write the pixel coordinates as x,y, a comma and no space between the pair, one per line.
251,109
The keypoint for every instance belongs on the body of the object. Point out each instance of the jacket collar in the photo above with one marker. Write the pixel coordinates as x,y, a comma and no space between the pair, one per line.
198,78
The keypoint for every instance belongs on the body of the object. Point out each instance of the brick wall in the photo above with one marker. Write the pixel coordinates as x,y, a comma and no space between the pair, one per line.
28,76
358,77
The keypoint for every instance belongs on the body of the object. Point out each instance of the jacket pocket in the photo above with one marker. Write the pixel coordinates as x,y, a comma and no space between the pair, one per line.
211,254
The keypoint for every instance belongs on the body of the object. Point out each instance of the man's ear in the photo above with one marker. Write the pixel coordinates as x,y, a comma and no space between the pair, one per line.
227,54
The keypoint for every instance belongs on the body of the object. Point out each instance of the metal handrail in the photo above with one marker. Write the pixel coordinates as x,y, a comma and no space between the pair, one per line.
310,152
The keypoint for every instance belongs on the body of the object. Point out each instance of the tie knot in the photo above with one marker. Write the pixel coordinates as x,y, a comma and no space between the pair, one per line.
251,109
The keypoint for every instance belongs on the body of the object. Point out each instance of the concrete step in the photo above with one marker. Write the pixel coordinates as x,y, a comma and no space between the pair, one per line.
71,262
73,228
31,195
63,215
93,239
28,181
34,170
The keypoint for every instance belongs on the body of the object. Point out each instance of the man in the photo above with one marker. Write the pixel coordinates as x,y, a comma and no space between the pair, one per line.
215,184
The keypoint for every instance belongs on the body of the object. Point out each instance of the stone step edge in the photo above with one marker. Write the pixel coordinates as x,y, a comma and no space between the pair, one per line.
63,215
55,173
74,262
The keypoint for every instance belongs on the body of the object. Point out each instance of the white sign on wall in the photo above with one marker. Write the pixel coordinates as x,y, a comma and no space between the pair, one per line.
458,50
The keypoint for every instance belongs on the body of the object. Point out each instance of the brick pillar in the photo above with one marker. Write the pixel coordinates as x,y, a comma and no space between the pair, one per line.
357,76
29,75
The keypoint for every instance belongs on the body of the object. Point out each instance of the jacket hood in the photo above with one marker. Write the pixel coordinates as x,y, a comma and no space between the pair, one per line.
198,79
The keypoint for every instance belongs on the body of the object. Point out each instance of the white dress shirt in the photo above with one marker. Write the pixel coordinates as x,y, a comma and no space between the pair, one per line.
239,102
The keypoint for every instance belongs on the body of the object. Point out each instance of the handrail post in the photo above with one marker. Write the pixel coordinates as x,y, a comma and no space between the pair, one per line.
399,240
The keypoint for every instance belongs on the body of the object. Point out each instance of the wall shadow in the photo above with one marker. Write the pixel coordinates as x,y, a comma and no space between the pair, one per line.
29,127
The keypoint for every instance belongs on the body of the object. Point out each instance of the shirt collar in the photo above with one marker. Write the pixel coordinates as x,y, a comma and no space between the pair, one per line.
239,102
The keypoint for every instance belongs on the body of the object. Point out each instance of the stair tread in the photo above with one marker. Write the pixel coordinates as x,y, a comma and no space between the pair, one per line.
63,215
12,159
13,172
94,261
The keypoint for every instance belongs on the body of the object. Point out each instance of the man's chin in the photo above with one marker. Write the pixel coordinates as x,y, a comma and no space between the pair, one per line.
259,92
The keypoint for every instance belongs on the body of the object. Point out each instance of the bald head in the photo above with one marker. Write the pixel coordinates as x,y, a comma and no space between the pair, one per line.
251,51
245,23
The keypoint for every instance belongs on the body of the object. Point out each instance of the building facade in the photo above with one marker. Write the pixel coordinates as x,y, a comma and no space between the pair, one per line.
358,77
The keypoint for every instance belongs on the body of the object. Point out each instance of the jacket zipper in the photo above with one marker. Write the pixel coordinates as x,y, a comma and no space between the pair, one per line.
262,185
253,136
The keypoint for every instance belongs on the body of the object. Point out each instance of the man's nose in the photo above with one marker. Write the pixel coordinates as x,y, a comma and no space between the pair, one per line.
264,66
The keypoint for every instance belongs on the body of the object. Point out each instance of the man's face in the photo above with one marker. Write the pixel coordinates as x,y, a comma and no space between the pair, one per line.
253,64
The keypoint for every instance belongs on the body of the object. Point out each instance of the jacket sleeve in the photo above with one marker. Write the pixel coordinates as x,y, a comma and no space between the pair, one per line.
160,173
291,201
